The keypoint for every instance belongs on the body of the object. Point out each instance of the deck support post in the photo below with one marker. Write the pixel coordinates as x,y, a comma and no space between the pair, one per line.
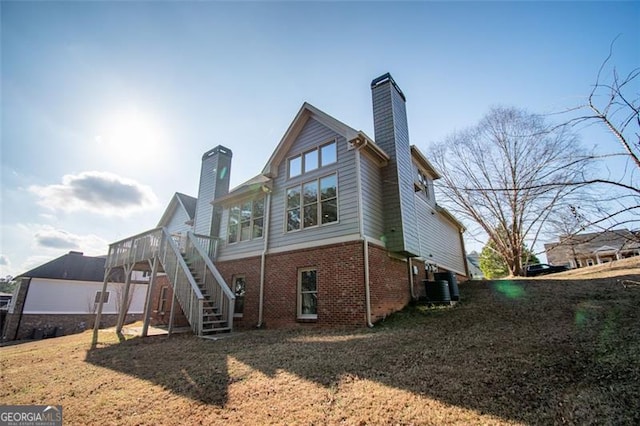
174,301
124,306
96,325
147,303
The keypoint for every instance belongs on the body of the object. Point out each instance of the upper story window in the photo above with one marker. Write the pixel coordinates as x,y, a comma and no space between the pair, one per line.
313,159
423,183
312,203
246,221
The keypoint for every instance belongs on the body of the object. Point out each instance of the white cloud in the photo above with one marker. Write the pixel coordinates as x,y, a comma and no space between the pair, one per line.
98,192
4,260
48,237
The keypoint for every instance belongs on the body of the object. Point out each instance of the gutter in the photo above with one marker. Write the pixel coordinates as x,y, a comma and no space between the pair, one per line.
263,260
365,240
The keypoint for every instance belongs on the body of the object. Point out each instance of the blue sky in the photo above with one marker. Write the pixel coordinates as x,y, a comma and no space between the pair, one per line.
107,107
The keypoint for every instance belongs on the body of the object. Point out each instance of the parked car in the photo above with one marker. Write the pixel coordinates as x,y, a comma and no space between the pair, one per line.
544,269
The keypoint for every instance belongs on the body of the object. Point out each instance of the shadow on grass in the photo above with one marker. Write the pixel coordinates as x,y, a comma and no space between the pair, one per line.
529,351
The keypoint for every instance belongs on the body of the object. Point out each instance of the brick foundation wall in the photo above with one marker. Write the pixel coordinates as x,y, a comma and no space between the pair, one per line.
250,269
340,285
161,316
389,283
68,323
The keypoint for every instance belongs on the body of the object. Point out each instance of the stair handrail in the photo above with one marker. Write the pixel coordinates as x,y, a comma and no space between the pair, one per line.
195,318
230,296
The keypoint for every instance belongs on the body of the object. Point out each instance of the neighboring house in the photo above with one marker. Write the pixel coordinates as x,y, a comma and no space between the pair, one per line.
336,230
61,297
577,251
473,262
5,303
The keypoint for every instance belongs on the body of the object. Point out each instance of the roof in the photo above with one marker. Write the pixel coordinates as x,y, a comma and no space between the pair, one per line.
590,243
182,201
424,163
73,266
253,185
447,214
306,112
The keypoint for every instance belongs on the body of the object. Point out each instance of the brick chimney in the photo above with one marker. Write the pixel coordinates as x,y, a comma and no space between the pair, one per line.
392,135
214,183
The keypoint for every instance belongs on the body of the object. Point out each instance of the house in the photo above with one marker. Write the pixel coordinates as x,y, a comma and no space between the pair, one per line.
580,250
336,230
473,264
61,297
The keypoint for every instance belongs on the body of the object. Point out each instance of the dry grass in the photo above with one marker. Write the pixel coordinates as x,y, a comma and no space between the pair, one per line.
512,352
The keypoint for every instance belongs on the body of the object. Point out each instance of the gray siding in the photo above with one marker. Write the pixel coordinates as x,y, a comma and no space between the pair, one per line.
439,239
392,135
214,182
177,222
372,199
312,135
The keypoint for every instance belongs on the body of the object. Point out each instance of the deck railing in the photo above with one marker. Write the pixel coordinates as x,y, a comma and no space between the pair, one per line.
199,251
158,242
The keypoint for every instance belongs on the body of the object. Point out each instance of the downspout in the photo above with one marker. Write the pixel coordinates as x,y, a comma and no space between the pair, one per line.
365,241
413,296
263,259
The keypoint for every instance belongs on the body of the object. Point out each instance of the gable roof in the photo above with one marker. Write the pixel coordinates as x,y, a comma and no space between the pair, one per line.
73,266
306,112
182,201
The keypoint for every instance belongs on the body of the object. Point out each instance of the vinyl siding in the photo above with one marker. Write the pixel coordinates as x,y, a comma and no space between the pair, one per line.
372,199
312,135
177,222
392,135
439,239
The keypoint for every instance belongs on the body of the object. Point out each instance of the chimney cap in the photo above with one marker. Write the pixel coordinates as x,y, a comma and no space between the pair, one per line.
217,150
386,78
79,253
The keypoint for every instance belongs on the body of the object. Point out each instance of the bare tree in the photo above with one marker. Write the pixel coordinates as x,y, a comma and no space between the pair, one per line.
614,104
508,174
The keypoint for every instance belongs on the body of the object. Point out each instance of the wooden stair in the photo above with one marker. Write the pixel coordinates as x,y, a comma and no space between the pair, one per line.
212,319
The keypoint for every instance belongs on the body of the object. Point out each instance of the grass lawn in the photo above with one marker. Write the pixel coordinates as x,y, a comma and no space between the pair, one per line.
512,352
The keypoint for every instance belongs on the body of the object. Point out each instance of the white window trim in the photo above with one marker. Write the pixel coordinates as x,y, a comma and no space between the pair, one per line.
301,207
233,281
301,155
299,292
251,221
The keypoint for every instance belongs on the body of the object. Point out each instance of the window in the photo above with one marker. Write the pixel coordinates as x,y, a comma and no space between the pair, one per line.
311,160
105,297
246,221
293,208
423,183
162,303
295,166
312,203
589,262
307,294
328,154
239,289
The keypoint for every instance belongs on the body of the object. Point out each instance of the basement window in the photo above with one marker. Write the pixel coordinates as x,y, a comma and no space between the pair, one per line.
239,289
105,297
307,293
